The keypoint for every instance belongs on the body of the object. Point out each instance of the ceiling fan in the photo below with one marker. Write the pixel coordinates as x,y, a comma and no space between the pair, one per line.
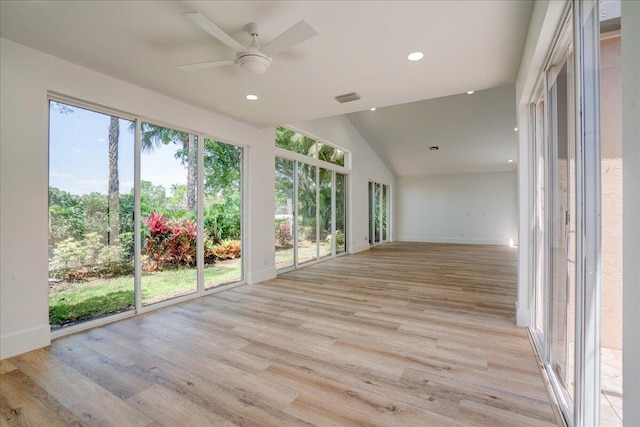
252,59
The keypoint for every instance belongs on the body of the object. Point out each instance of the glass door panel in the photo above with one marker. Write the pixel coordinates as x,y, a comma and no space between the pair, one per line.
341,212
561,230
377,218
284,215
385,211
539,217
168,176
307,233
90,215
222,213
372,208
324,208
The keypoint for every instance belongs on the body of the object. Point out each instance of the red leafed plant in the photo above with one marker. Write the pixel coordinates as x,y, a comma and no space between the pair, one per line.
157,223
169,243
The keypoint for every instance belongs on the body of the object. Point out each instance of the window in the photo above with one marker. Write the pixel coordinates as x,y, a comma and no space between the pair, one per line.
310,191
296,142
91,230
168,188
185,191
378,213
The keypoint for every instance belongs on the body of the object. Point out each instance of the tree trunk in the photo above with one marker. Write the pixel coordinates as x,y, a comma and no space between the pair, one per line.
191,172
114,183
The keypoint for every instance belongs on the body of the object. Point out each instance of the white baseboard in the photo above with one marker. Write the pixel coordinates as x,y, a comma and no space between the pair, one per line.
23,341
360,248
261,276
523,317
458,240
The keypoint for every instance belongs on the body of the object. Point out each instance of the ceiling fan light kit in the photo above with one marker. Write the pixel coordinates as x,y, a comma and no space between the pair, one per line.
254,63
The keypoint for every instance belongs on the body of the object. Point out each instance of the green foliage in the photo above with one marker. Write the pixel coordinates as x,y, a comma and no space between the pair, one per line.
293,141
222,165
298,143
339,239
284,235
222,218
74,302
169,243
70,310
225,250
153,198
77,260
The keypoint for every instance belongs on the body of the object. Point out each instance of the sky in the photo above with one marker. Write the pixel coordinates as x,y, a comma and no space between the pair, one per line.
79,155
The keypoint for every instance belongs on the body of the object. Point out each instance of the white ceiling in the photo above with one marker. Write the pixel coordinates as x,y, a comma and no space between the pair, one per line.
474,133
361,46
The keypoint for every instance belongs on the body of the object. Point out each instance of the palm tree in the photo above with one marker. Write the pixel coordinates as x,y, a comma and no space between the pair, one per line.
114,183
189,145
154,136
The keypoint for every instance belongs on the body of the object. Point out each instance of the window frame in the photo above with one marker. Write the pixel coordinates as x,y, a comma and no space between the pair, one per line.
139,308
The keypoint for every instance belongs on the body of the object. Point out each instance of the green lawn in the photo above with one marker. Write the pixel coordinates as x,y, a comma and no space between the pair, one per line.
306,252
75,302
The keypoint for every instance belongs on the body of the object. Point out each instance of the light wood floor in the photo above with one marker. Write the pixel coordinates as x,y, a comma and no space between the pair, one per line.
401,335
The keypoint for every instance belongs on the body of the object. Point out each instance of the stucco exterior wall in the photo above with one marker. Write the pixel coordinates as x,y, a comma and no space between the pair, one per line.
611,181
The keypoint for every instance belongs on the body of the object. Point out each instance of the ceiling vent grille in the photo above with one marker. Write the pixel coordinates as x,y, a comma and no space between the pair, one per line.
347,97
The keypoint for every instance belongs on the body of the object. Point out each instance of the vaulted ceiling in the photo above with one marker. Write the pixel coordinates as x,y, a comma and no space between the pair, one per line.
361,47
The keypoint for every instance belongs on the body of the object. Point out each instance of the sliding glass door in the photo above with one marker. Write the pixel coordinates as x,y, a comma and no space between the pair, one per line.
561,225
310,214
566,161
138,214
91,238
284,215
168,213
378,213
307,214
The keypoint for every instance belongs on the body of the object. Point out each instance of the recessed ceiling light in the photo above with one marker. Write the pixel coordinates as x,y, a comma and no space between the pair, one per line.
510,160
515,129
372,108
415,56
469,92
252,97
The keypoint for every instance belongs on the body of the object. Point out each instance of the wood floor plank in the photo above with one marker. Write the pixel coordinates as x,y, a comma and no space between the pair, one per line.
405,334
384,409
88,401
24,403
169,408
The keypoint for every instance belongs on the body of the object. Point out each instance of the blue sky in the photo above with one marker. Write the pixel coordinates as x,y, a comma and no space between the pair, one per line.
79,155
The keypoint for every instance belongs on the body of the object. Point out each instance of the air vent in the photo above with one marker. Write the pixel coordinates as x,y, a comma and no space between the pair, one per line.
347,97
434,148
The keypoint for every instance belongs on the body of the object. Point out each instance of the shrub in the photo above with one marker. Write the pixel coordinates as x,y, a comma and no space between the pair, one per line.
169,243
339,239
226,249
77,260
284,237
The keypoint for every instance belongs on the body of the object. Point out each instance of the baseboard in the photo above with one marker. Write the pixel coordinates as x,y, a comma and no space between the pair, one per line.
261,276
360,248
458,240
523,317
23,341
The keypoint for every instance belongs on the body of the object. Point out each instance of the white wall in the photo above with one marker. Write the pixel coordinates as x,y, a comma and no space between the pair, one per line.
631,210
366,166
25,76
460,208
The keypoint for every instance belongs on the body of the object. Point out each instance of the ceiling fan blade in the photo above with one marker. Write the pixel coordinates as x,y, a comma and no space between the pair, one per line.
208,64
293,36
213,29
